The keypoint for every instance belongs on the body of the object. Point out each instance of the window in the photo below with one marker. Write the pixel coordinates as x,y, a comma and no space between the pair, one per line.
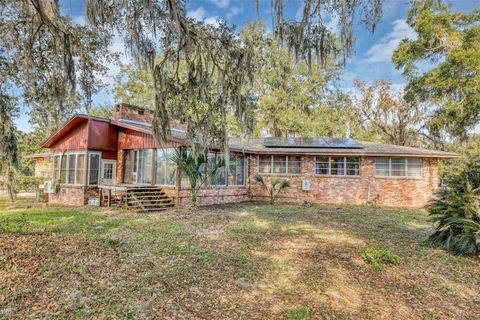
322,165
94,167
382,167
294,164
56,167
80,178
352,166
219,178
144,166
337,166
280,164
63,169
398,167
414,168
166,170
71,168
236,170
265,164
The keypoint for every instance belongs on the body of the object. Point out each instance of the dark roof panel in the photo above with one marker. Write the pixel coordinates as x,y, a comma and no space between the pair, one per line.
320,142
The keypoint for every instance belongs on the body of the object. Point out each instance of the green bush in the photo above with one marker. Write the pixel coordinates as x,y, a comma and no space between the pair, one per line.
455,211
275,188
28,183
299,313
378,258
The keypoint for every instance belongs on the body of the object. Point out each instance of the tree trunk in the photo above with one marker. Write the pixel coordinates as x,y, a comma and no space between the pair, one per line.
10,184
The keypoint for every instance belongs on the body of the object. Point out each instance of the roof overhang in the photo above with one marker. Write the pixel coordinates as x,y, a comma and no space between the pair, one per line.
356,154
75,120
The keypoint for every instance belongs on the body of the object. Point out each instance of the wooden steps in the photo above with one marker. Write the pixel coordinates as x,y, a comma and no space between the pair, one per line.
147,199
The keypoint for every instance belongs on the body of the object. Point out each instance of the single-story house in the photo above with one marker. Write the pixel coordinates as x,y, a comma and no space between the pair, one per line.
93,159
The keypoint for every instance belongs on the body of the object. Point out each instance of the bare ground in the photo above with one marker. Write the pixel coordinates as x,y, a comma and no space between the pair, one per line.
243,261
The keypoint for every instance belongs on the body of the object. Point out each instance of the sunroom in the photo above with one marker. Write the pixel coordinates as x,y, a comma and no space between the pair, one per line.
157,167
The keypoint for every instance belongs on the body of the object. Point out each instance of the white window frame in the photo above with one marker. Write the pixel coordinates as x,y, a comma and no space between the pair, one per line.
406,168
329,169
62,155
89,153
286,164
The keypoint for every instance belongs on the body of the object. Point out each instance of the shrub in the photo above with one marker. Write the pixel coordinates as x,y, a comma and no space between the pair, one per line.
299,313
276,186
378,258
28,183
455,211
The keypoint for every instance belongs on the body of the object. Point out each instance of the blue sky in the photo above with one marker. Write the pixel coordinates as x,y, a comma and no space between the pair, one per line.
370,61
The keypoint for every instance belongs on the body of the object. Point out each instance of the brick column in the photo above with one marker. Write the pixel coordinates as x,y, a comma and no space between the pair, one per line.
120,165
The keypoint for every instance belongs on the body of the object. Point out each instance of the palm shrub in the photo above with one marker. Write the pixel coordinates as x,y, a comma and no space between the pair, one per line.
456,209
276,186
194,168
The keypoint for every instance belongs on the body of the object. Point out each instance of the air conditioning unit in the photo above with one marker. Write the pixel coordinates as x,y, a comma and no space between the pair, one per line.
305,185
47,187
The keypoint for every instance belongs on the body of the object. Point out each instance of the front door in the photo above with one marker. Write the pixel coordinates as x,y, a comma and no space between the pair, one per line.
109,168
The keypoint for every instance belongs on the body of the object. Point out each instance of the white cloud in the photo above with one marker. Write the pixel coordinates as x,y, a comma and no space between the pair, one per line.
234,11
213,20
221,3
201,14
79,20
331,22
113,67
383,50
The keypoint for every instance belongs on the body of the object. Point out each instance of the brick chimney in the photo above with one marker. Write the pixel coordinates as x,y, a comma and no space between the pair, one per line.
133,113
128,112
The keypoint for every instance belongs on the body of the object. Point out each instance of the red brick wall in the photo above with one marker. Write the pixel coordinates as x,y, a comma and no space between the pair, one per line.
129,112
366,188
73,195
212,195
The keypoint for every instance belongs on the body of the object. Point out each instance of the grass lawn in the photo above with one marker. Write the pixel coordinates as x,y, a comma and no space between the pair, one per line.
242,261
